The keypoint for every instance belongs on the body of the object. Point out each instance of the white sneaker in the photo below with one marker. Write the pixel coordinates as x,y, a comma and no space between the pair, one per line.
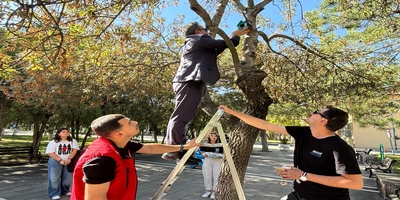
212,195
170,156
68,194
55,197
205,195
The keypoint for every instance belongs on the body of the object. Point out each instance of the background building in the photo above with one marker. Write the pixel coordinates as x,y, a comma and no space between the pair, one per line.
371,137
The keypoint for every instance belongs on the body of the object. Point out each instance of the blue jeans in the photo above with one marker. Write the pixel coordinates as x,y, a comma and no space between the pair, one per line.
59,178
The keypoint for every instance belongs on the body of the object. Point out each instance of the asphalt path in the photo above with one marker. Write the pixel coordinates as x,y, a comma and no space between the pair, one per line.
261,181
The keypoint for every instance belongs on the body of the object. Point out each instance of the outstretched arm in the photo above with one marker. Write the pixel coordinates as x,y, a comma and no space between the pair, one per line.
256,122
155,148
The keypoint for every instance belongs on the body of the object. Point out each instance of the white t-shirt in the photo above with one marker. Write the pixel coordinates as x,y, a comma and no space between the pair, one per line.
63,148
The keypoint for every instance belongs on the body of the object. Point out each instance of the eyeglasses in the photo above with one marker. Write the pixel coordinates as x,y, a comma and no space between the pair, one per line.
319,113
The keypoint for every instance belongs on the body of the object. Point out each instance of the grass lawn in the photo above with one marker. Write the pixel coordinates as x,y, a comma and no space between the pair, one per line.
396,167
26,140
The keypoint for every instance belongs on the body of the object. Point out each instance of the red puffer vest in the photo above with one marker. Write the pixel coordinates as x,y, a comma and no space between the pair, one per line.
124,185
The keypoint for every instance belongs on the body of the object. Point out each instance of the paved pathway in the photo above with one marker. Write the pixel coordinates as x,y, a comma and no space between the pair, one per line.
261,181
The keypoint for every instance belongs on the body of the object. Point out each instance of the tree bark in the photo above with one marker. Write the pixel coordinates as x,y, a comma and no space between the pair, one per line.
38,130
1,133
155,132
264,141
87,134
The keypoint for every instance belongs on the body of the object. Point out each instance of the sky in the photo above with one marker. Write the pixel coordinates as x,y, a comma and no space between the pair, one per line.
229,23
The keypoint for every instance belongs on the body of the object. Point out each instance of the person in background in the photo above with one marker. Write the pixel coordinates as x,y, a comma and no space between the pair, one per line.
61,150
325,166
198,67
107,170
213,154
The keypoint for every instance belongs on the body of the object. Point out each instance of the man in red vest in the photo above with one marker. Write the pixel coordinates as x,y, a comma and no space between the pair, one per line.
107,170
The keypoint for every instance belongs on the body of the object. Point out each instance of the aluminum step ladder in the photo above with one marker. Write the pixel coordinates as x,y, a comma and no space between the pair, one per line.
175,174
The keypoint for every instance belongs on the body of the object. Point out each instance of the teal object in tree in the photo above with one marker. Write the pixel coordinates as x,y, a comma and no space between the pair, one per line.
241,25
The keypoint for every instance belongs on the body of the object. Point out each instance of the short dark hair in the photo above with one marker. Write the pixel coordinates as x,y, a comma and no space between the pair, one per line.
57,138
105,125
190,28
336,117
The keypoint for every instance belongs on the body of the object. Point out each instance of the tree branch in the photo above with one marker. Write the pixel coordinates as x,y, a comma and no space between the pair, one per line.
113,19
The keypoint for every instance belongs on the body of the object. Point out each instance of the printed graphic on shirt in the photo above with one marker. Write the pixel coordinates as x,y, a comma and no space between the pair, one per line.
64,149
316,153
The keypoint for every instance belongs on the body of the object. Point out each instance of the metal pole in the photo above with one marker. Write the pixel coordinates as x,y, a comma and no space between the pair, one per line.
389,136
394,134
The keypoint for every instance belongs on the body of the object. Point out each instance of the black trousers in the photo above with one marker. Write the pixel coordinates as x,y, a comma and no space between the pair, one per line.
187,98
295,196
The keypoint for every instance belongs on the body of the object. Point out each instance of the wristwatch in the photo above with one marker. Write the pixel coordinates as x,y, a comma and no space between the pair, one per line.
182,148
303,177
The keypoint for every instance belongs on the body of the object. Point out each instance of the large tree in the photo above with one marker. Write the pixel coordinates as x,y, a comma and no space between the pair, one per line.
364,35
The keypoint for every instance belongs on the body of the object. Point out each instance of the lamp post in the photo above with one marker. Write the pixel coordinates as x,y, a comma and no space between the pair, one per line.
389,136
394,134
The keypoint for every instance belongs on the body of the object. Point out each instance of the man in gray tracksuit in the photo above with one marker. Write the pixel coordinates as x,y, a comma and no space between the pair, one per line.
198,67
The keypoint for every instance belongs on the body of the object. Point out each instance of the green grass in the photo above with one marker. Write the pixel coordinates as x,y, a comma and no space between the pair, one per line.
13,141
396,167
26,140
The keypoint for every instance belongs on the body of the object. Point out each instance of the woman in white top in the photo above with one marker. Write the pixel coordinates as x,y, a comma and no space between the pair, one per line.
61,150
213,154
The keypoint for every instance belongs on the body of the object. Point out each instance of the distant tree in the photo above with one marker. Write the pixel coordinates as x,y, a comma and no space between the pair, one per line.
363,35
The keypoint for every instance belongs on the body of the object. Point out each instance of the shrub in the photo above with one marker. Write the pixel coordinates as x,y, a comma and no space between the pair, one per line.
284,140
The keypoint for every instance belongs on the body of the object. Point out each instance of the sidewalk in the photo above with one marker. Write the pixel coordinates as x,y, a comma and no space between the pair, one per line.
261,181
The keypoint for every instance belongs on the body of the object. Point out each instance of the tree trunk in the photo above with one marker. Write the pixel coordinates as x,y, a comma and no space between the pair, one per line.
163,139
38,130
1,132
77,128
155,132
72,125
257,102
87,134
264,141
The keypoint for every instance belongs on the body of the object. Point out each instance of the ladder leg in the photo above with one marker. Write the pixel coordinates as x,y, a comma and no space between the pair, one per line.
162,195
231,164
177,170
